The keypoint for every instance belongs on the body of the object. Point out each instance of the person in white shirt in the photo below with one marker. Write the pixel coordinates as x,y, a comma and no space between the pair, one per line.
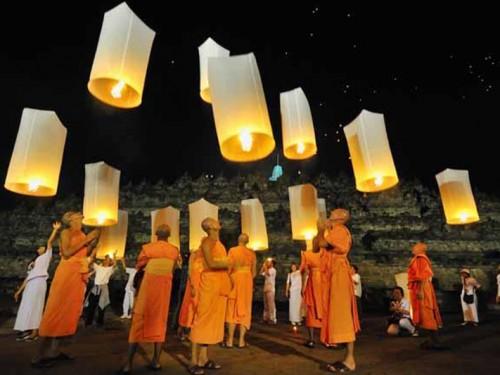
468,298
293,292
98,297
498,284
128,298
34,289
400,318
269,273
358,289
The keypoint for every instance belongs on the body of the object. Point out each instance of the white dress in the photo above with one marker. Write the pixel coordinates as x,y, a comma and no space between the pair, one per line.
128,298
295,298
30,310
469,310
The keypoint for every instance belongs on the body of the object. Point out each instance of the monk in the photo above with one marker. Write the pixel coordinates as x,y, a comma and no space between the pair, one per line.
149,317
239,303
189,301
65,301
341,315
312,287
426,314
215,285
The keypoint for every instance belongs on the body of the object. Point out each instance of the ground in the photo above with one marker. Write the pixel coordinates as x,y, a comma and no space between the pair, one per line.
274,350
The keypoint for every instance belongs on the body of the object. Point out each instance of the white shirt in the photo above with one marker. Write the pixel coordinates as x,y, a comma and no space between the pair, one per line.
270,280
41,265
295,280
102,274
356,280
498,283
405,305
130,282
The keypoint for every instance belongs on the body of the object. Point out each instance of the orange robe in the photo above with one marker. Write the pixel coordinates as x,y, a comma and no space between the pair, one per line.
341,315
149,317
239,303
215,285
67,292
313,289
186,314
426,311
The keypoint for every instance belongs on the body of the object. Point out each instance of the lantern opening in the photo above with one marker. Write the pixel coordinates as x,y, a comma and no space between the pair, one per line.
378,181
34,185
115,92
300,148
246,140
309,235
300,151
101,218
463,217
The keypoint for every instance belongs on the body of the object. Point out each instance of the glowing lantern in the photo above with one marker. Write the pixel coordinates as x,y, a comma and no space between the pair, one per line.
253,223
36,160
240,111
402,281
303,211
322,209
209,48
299,141
121,59
114,238
169,216
370,152
199,211
102,189
456,196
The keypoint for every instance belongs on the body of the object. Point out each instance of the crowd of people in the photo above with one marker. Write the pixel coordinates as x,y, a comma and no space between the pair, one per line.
324,292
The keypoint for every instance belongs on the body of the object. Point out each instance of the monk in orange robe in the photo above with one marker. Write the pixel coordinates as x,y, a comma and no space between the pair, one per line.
189,301
426,314
149,317
312,288
215,285
239,303
341,314
65,301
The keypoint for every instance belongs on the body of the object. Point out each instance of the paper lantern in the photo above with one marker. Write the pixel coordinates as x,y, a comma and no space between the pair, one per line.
303,211
240,111
322,209
36,160
102,189
402,281
114,238
121,59
370,152
457,198
209,48
253,223
199,211
299,140
170,216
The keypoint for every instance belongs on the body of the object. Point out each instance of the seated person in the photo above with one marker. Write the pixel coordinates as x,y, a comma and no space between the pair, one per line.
400,320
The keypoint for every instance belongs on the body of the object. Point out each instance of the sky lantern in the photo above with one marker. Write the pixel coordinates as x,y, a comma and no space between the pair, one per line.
253,223
240,110
209,48
457,198
370,153
303,211
102,190
36,160
322,209
121,59
170,216
299,140
114,238
199,211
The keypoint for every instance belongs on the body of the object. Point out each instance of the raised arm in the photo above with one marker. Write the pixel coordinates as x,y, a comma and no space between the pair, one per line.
55,228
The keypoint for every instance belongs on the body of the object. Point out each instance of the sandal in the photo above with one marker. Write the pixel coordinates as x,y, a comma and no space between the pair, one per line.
211,365
225,345
339,367
196,370
309,344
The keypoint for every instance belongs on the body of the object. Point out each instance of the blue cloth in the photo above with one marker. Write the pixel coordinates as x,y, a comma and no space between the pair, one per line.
277,173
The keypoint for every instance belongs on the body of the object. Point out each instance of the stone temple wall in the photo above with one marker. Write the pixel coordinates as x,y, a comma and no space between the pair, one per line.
383,225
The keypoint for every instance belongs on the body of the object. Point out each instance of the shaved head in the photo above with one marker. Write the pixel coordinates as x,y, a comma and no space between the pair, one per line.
163,232
243,239
210,224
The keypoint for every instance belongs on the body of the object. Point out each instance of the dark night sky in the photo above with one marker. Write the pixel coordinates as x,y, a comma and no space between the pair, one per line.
433,73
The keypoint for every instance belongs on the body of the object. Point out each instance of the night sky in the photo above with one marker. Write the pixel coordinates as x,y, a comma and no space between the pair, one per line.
433,73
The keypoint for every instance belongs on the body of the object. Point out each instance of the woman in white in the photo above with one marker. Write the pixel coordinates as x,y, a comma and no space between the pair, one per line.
33,289
468,298
128,298
293,292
